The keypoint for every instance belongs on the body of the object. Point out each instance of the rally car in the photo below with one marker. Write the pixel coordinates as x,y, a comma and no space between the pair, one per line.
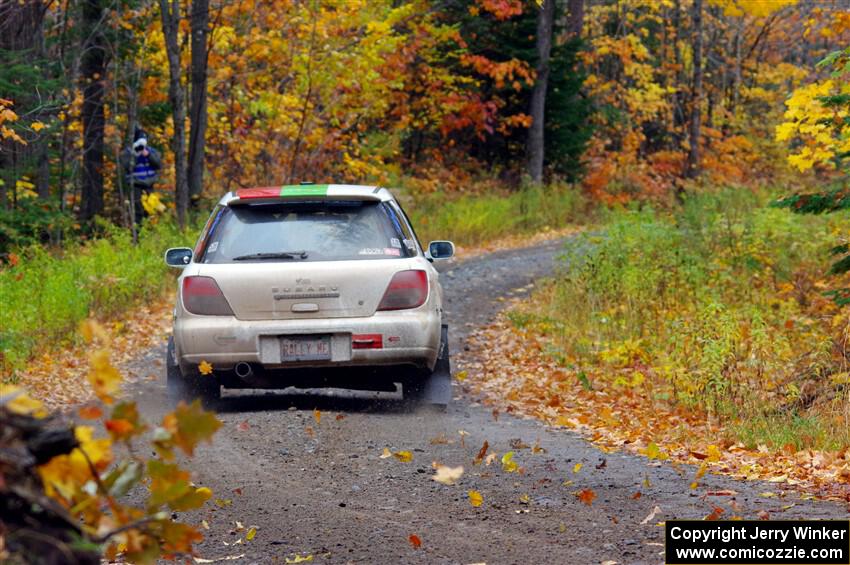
309,286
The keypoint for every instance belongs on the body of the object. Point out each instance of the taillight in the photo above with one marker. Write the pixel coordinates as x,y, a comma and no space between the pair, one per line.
408,289
201,295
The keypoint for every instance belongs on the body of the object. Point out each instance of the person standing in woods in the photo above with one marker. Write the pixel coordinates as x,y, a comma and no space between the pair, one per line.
141,165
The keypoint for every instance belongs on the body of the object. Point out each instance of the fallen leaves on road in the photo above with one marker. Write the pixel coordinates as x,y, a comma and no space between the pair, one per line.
514,373
414,541
317,415
447,475
205,368
475,498
508,463
587,496
403,456
57,378
715,514
651,516
481,453
90,412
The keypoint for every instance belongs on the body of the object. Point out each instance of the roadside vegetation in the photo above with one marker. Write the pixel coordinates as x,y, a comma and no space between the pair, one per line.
46,293
471,220
718,306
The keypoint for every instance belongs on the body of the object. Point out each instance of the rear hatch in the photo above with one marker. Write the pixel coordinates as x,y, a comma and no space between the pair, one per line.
304,290
311,258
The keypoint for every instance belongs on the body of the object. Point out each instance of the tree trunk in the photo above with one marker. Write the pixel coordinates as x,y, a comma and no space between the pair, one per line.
42,175
736,88
693,165
170,28
93,76
198,110
575,21
535,146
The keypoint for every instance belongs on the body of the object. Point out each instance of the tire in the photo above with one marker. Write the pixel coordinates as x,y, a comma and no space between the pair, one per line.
189,387
418,390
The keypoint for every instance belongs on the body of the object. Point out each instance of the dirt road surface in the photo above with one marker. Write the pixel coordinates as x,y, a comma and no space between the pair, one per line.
323,490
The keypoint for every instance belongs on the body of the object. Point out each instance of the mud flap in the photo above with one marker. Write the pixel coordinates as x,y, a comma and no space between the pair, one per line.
437,387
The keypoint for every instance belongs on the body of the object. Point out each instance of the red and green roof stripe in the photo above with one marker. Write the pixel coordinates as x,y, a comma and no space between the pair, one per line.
283,191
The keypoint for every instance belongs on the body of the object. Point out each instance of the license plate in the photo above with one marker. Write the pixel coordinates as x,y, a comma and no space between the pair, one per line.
308,348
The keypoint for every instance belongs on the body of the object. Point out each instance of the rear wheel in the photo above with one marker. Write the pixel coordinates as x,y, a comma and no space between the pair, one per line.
191,386
431,388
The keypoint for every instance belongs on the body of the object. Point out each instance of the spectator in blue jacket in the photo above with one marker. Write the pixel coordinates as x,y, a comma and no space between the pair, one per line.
141,164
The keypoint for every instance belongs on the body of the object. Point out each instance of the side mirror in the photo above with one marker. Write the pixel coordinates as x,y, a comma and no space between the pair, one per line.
178,257
441,249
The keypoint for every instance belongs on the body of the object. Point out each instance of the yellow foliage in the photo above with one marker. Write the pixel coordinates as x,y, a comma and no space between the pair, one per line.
152,203
15,399
755,8
810,121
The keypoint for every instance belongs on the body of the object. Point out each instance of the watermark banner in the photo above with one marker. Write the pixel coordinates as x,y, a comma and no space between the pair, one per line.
757,542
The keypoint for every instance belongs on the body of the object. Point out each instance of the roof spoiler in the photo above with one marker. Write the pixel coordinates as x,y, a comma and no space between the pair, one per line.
297,192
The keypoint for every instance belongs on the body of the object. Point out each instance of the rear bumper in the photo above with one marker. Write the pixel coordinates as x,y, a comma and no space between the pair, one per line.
408,337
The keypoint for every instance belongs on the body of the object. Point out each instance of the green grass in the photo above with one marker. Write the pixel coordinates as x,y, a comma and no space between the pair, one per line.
780,430
49,292
470,220
723,299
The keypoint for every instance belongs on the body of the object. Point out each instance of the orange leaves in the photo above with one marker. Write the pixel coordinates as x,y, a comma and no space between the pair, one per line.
415,541
501,71
185,428
502,9
715,514
475,498
90,412
586,496
125,422
481,453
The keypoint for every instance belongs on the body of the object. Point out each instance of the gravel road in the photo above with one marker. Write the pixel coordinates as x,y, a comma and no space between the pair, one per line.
322,489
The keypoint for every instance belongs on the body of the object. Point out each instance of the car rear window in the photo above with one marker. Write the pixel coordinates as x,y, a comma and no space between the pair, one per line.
308,231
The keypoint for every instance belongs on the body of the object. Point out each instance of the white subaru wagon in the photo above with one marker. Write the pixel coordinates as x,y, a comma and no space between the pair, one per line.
309,286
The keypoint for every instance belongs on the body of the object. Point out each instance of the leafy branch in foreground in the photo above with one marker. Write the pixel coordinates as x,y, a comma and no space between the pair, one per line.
64,491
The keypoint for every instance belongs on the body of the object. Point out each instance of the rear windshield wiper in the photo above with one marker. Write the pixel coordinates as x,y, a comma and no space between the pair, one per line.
276,255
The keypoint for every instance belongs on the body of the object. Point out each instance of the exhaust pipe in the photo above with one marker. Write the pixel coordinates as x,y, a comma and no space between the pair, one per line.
243,370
